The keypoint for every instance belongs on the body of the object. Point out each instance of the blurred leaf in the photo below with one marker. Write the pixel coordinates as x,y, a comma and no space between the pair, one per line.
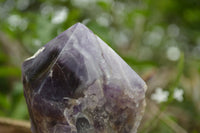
4,103
162,128
3,58
8,71
17,89
104,5
137,63
180,68
20,111
73,17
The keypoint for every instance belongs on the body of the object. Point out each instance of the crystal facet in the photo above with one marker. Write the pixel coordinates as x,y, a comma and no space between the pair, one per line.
77,84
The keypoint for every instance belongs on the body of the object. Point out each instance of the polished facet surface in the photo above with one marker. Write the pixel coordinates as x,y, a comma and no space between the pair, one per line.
77,84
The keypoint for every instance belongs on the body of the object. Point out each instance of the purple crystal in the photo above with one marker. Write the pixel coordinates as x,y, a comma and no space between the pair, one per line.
77,84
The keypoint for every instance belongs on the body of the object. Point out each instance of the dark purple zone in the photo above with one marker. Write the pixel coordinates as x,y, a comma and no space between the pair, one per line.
34,68
66,70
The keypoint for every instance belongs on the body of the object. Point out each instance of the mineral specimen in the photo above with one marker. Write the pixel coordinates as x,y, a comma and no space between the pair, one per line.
77,84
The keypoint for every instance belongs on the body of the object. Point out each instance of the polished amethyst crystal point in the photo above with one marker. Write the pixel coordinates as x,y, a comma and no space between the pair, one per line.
77,84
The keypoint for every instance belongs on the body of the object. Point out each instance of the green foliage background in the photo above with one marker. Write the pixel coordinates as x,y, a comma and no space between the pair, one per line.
140,31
